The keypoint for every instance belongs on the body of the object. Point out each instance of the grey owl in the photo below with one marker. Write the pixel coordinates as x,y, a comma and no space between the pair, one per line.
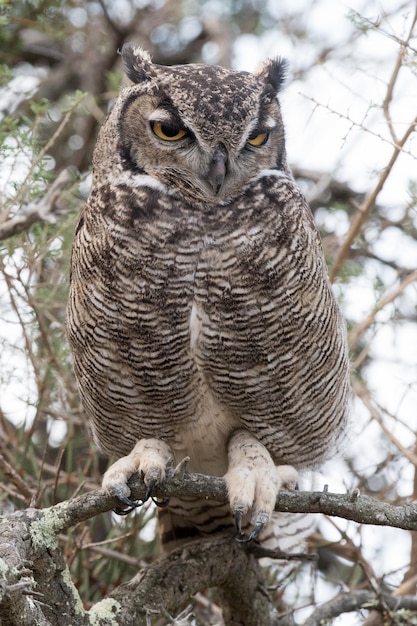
201,319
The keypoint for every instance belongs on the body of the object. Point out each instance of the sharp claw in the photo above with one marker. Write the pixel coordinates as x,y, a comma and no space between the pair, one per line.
238,522
149,488
161,502
253,535
182,466
130,504
255,532
240,537
119,511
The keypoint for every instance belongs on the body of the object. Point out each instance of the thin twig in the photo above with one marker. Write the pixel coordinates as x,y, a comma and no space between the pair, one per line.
355,600
14,478
363,212
362,393
46,209
358,330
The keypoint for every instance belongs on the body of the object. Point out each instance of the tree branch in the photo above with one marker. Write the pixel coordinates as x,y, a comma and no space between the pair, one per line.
355,600
363,212
46,209
168,583
38,593
358,330
350,506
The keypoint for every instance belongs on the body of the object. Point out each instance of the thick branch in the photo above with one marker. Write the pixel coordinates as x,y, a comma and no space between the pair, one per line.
351,506
169,583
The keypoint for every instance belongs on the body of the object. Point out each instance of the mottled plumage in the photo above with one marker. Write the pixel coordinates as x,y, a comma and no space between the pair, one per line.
201,319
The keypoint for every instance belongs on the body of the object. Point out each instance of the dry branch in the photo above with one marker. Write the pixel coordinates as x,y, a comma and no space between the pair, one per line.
350,506
361,216
46,209
357,331
35,582
362,599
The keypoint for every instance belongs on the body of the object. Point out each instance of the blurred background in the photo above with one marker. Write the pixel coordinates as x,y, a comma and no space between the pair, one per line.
350,110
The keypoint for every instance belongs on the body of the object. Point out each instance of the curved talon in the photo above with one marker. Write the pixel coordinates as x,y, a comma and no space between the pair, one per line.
253,535
255,532
182,466
238,522
119,511
149,488
130,504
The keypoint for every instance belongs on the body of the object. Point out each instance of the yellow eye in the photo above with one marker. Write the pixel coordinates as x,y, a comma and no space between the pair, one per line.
168,132
259,139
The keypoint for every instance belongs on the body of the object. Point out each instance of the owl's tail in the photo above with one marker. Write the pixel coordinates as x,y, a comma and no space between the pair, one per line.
188,519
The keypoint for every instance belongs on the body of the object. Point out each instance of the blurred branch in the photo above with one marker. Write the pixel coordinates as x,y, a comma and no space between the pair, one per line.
363,212
46,209
362,599
362,392
357,331
10,473
326,190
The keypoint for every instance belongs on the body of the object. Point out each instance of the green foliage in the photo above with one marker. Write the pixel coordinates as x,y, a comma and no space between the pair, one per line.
5,73
44,15
115,81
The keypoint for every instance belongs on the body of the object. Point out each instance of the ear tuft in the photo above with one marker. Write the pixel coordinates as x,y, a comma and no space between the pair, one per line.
137,63
274,72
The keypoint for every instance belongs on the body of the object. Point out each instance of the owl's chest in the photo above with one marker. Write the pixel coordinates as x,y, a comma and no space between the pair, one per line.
203,281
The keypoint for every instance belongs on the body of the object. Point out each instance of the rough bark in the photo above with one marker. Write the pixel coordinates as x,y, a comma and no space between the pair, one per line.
36,587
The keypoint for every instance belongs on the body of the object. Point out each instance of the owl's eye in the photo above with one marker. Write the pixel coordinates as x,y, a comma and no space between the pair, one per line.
258,138
168,132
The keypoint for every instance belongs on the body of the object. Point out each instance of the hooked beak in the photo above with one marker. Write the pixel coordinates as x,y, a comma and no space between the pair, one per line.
218,168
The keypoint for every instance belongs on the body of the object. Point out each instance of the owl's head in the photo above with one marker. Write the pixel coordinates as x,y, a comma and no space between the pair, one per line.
205,132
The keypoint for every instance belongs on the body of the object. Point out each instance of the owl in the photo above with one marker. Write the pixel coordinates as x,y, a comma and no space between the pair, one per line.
201,319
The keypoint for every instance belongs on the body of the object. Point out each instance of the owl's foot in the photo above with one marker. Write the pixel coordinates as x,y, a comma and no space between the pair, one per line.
150,457
253,482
